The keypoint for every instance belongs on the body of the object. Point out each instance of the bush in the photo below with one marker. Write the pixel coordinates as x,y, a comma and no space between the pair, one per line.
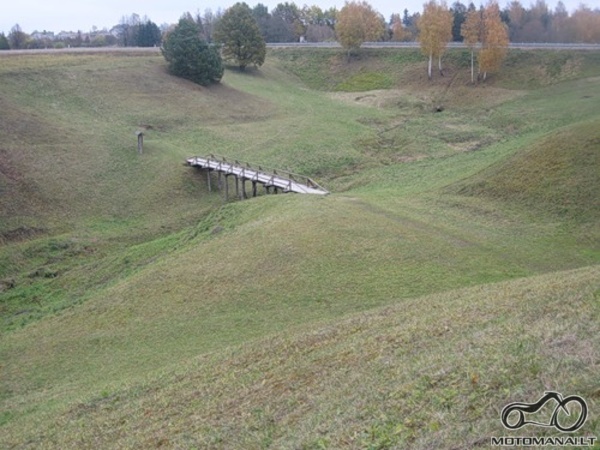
189,56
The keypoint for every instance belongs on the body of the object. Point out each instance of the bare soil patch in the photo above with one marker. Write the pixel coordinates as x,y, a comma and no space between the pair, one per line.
21,234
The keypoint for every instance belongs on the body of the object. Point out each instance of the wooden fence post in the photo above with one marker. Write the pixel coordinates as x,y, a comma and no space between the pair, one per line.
140,136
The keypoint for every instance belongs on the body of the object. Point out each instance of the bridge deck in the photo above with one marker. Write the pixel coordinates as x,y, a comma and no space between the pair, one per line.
279,179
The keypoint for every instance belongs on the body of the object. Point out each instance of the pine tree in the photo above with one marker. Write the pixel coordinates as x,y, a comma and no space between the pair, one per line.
147,34
240,36
459,13
189,56
4,45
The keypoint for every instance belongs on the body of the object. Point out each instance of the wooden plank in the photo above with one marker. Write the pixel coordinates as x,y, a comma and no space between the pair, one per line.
278,180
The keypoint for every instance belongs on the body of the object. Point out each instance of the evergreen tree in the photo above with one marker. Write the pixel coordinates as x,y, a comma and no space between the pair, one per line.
148,34
459,13
240,36
4,45
189,56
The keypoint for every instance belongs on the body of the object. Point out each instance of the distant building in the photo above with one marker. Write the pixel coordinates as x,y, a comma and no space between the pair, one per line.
43,35
65,35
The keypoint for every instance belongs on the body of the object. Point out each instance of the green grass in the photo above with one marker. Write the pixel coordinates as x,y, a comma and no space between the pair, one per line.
557,175
131,298
366,81
403,376
329,69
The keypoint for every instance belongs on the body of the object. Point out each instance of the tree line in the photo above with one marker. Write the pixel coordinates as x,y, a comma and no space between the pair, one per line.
288,22
132,31
196,47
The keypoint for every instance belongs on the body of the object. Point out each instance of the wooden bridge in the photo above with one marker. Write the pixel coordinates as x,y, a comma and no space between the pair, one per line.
273,180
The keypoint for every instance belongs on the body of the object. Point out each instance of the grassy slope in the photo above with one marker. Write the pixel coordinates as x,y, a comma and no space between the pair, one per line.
557,175
404,375
164,292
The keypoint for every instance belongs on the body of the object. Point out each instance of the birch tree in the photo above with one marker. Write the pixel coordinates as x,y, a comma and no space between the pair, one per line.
398,32
471,33
435,31
587,24
494,40
358,22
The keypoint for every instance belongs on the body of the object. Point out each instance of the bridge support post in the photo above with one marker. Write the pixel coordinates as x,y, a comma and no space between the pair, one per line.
272,181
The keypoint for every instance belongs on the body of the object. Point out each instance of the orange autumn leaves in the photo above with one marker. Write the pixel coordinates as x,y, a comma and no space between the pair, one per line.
483,32
435,31
358,22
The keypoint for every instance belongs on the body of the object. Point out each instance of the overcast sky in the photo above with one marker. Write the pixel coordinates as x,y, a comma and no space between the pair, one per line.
73,15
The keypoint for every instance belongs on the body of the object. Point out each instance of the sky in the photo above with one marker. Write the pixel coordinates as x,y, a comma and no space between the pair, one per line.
74,15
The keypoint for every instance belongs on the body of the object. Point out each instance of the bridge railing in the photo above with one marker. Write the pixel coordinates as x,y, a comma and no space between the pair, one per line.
269,171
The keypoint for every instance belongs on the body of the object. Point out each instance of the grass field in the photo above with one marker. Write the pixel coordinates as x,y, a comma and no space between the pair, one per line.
453,269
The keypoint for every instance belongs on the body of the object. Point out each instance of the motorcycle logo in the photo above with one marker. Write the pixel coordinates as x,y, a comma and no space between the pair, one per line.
518,410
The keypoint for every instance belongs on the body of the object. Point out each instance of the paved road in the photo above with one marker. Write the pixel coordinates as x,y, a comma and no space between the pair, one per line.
81,50
525,45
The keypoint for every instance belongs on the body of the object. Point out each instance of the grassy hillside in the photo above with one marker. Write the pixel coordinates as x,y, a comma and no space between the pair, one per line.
557,175
328,69
123,282
398,377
